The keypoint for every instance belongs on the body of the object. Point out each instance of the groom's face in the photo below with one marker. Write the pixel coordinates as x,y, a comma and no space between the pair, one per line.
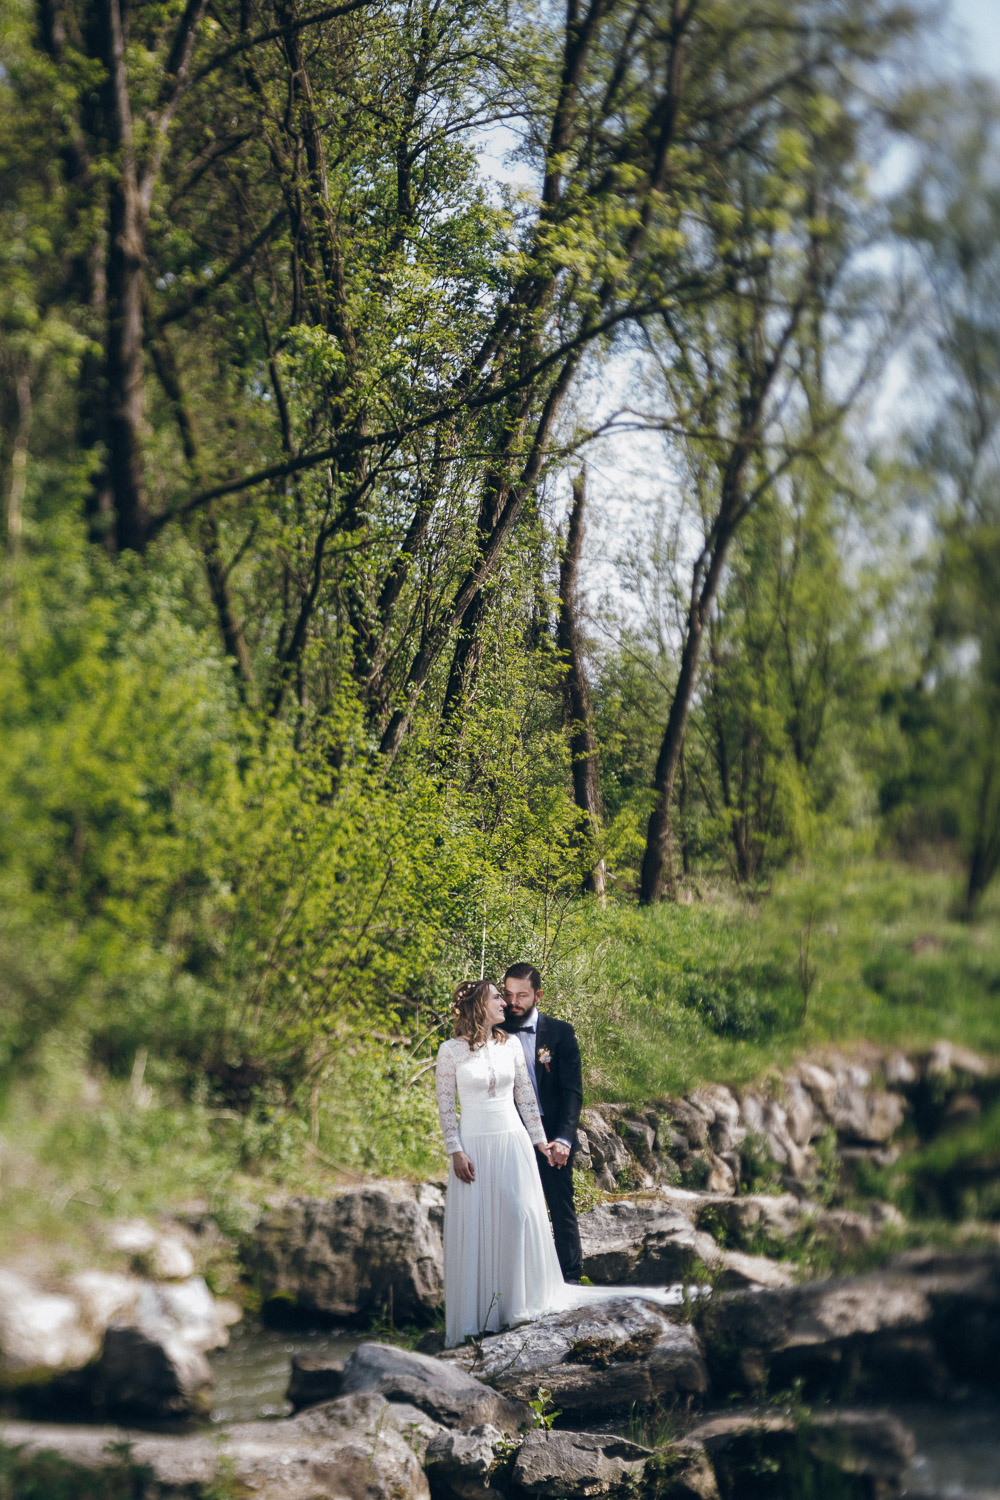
519,998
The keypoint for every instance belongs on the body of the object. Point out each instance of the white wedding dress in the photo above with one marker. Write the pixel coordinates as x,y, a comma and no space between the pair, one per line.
500,1263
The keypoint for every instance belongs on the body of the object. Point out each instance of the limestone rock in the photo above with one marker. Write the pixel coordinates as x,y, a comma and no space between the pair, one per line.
682,1471
820,1085
640,1243
865,1116
439,1388
164,1255
639,1136
154,1363
722,1111
691,1204
349,1449
569,1465
688,1120
899,1071
348,1257
313,1380
859,1454
849,1230
583,1161
461,1464
954,1066
720,1177
817,1331
752,1111
112,1340
105,1297
755,1219
803,1120
151,1374
41,1333
599,1360
739,1270
608,1151
964,1291
717,1103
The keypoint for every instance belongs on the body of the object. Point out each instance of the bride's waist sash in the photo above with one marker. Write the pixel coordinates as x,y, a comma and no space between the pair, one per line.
490,1117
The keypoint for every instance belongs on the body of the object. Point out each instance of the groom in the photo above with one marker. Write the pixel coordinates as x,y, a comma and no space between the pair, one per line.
553,1058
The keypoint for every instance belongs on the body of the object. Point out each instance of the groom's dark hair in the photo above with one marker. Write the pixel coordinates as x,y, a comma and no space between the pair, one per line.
525,971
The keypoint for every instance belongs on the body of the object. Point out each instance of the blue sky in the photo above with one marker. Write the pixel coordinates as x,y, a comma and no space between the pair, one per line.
979,20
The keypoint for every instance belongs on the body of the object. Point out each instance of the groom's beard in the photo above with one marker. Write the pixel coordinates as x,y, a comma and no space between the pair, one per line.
515,1022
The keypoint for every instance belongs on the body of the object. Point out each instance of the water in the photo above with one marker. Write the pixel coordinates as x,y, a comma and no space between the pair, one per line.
958,1450
252,1372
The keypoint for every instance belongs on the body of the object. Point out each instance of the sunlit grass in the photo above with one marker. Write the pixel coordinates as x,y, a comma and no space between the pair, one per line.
722,989
727,990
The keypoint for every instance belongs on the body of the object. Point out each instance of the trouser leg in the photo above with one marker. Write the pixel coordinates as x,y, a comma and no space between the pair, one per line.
557,1185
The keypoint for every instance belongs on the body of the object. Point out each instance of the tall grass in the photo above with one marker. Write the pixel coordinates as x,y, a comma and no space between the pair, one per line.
728,989
723,989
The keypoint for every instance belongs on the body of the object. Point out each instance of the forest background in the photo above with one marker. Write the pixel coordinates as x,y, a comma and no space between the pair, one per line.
327,336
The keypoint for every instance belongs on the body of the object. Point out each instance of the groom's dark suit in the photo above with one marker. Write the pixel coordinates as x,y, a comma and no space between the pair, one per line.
559,1086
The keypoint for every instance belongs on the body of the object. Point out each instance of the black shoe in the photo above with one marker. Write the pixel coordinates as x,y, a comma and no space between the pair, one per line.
572,1281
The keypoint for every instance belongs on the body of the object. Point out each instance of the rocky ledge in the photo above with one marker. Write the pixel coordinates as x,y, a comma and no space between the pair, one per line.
408,1425
715,1179
725,1184
115,1341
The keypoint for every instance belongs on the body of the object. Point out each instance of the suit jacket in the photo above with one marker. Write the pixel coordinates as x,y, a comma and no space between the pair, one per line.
560,1081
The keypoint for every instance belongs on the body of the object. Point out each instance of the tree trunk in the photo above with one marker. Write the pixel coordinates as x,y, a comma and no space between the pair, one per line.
17,482
984,856
704,584
124,369
207,530
576,696
682,808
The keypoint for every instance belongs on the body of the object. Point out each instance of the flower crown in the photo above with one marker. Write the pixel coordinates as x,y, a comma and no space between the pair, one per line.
463,993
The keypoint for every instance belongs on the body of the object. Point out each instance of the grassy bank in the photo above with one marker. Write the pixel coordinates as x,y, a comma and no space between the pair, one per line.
725,989
720,989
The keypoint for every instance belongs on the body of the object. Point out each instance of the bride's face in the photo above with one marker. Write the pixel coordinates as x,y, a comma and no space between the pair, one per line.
494,1007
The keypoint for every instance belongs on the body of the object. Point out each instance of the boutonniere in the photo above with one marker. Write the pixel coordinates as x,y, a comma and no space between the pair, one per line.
544,1057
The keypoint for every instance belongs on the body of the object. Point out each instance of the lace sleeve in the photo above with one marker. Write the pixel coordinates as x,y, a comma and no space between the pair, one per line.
524,1097
444,1077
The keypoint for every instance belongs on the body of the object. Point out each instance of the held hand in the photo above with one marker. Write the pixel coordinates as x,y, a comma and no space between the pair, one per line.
464,1170
559,1153
545,1150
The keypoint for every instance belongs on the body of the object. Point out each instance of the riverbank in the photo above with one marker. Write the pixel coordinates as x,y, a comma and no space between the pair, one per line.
853,955
776,1200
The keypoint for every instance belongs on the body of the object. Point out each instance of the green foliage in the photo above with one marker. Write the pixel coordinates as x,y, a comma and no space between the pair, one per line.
282,746
948,780
737,1005
49,1476
176,885
544,1412
627,986
761,1173
956,1176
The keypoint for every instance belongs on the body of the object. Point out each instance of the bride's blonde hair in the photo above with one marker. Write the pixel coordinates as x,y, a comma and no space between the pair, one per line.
468,1006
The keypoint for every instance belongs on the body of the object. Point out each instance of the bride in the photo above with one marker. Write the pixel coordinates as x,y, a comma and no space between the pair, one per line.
500,1263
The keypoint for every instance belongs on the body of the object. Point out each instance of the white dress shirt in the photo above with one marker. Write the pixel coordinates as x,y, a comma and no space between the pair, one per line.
527,1035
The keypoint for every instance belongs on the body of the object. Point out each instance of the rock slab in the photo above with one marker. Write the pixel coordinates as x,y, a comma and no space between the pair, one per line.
575,1465
857,1455
440,1389
600,1360
353,1256
349,1449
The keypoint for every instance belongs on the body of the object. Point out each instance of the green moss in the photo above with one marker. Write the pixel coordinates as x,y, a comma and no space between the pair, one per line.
601,1353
